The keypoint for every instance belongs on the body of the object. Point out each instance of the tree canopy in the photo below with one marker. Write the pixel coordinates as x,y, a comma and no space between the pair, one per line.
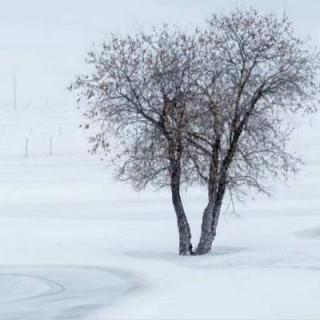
210,106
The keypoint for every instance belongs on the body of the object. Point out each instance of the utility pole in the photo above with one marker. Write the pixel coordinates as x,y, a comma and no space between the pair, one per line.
14,92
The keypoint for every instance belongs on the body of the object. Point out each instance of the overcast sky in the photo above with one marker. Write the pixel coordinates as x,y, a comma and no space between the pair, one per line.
44,42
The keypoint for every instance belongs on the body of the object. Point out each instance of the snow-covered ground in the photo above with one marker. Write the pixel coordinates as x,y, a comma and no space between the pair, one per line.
75,244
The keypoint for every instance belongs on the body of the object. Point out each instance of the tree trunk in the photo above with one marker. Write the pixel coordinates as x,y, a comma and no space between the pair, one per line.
208,230
206,237
210,221
185,247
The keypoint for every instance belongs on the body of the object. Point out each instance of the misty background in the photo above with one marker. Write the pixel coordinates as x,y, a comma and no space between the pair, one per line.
45,42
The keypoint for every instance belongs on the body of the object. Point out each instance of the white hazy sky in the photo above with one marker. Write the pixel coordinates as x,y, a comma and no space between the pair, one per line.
44,42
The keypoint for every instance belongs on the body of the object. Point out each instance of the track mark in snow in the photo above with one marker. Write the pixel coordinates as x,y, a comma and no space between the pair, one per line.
16,287
60,292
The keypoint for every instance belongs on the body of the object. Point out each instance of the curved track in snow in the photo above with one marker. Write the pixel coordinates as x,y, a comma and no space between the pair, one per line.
59,292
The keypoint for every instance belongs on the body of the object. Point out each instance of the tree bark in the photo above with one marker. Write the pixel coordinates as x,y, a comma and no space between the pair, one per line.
208,230
185,246
206,237
210,221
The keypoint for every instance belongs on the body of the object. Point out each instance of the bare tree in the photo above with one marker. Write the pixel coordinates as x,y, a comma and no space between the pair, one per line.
256,74
140,94
209,107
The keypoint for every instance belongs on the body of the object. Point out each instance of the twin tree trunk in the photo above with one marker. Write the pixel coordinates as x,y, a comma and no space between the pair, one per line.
208,228
217,186
209,220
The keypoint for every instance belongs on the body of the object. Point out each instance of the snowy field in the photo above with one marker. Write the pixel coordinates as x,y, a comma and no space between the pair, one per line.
75,244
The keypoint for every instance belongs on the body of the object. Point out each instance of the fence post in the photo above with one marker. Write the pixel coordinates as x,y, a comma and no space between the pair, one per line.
26,148
51,150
